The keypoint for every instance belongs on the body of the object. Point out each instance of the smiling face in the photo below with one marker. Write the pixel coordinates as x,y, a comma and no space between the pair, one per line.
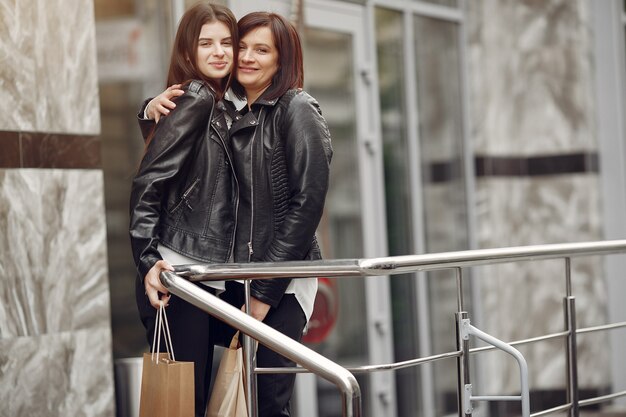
258,62
215,50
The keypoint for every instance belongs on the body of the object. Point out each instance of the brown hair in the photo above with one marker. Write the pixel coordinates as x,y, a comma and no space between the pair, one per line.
183,62
183,66
290,72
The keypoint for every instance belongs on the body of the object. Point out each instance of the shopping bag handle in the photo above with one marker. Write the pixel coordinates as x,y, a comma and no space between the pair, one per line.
234,343
161,323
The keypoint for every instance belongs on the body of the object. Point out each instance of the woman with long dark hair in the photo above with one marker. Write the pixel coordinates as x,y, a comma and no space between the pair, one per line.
181,205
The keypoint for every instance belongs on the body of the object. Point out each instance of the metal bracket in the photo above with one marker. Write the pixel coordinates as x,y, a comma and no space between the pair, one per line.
467,399
465,329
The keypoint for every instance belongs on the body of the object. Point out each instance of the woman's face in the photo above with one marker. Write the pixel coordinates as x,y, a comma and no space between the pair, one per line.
215,50
258,61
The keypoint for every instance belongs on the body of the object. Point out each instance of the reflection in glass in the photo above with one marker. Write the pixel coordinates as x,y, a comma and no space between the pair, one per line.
329,78
390,57
441,148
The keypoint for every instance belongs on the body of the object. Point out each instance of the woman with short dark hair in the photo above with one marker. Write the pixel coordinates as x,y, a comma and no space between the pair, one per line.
282,151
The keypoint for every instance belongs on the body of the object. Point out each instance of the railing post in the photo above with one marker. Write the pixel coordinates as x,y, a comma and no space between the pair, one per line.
463,371
570,355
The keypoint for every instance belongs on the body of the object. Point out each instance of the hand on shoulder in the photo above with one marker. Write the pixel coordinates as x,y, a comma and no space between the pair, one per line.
162,104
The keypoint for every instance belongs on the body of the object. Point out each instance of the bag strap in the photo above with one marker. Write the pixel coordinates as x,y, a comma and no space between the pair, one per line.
234,343
162,324
169,337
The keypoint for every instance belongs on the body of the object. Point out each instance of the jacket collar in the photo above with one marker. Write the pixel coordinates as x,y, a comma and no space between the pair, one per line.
264,101
248,118
244,120
218,120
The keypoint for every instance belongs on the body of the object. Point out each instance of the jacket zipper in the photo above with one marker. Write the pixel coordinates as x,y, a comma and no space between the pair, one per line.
232,168
183,199
252,149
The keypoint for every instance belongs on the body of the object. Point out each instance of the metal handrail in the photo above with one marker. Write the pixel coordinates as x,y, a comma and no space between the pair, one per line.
273,339
409,264
395,264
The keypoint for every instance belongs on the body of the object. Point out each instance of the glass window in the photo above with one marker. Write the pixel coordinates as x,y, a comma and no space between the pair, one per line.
439,122
329,64
389,47
397,157
444,200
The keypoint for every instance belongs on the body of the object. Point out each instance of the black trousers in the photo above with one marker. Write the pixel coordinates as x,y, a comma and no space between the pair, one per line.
274,390
193,333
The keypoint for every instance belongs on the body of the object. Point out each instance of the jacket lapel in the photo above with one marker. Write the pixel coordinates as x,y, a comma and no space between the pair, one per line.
248,120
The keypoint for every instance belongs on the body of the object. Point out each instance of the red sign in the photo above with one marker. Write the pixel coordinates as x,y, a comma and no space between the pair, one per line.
325,311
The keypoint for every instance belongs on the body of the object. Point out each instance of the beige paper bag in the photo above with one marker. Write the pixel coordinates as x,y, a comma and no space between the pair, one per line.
228,398
167,386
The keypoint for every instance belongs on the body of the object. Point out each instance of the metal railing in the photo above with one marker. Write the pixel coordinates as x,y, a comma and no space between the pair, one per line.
271,338
342,377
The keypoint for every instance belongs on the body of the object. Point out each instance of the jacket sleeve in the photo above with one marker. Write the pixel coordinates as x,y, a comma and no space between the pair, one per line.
172,144
308,152
145,125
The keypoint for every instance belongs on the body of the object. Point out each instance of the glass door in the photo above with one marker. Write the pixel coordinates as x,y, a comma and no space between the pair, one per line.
339,75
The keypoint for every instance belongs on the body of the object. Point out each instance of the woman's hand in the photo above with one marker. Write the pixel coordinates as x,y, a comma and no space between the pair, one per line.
153,285
162,104
258,309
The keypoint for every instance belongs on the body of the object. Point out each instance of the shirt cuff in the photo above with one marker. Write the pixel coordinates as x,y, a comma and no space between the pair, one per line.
145,113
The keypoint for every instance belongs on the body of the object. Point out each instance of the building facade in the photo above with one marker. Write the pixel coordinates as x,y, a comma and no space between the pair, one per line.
456,124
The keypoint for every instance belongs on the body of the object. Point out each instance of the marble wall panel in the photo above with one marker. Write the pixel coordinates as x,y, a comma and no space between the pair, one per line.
55,336
48,67
530,77
527,211
17,65
59,374
53,243
67,67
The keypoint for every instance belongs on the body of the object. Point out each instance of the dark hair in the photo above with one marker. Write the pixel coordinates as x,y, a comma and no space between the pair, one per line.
183,66
290,72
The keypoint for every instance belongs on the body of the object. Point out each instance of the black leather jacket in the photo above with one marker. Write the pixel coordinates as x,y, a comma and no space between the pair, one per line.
182,195
282,152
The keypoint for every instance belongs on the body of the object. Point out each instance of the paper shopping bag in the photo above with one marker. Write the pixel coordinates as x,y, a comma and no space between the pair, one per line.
228,398
167,385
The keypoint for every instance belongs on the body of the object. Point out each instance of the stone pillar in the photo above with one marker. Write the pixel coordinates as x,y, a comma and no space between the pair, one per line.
55,337
534,135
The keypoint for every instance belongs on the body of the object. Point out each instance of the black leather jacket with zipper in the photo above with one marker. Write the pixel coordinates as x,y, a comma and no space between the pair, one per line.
282,152
182,195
